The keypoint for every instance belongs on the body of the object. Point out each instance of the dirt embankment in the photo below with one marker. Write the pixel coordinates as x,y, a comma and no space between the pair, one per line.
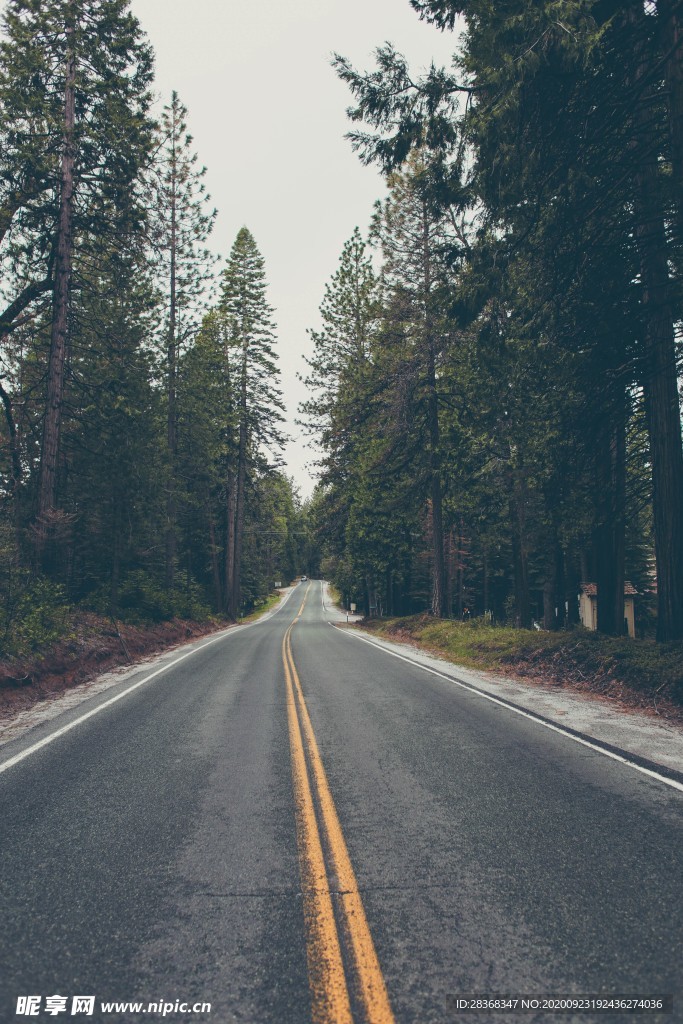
95,645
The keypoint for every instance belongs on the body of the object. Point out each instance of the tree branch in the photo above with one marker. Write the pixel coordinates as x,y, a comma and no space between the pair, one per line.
8,319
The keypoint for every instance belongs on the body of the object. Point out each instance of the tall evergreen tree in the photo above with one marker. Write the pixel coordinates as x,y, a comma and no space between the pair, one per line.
75,75
415,274
112,442
207,427
180,223
570,123
258,400
343,346
338,411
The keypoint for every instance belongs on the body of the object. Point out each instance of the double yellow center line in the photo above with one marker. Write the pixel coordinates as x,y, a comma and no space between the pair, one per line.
317,822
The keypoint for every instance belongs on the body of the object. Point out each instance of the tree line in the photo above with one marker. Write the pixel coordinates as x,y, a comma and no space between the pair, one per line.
495,383
141,434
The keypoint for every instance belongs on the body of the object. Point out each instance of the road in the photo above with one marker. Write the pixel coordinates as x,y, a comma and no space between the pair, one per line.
294,826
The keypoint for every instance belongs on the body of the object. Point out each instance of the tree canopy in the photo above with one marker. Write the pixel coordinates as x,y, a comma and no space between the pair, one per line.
546,158
134,399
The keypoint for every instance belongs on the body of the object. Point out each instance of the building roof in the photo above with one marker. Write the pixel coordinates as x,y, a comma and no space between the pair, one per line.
591,589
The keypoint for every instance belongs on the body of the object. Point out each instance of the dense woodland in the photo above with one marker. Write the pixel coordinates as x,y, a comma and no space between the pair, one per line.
140,469
495,381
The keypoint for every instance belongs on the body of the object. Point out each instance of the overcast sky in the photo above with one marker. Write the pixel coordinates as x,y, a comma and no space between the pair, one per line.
267,113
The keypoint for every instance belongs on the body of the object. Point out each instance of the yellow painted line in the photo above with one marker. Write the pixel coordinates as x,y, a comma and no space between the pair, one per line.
368,973
329,994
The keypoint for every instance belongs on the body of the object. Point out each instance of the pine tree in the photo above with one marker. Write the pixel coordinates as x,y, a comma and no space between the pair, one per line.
75,75
258,399
206,449
571,124
342,347
180,224
339,410
415,275
111,438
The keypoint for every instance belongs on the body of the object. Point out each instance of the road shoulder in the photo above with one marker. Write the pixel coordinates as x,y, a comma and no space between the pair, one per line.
15,723
628,731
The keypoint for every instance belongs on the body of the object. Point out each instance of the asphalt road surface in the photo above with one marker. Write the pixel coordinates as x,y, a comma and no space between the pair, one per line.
293,826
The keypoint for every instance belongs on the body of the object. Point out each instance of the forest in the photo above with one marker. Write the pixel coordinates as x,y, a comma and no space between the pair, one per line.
140,458
495,384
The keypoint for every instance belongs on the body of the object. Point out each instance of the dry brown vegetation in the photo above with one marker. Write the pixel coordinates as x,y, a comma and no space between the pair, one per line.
94,646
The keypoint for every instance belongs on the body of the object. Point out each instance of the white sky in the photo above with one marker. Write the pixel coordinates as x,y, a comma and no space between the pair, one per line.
267,113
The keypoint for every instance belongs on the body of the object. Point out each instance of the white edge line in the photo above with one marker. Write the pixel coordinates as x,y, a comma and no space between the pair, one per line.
231,630
518,711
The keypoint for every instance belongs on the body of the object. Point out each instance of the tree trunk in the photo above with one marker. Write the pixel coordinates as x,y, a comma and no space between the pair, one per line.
228,590
670,18
239,537
485,581
572,587
239,493
560,587
171,544
520,555
215,568
15,455
451,571
389,592
439,587
609,543
115,555
460,569
60,304
660,377
554,587
172,433
549,617
521,571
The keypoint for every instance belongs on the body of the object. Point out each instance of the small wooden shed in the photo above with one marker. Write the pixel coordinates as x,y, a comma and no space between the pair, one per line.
588,607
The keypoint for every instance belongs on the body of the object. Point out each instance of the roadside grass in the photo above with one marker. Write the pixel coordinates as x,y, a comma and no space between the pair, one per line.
637,672
261,607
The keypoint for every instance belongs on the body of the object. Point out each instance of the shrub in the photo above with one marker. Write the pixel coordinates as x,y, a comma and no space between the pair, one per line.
141,598
34,613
